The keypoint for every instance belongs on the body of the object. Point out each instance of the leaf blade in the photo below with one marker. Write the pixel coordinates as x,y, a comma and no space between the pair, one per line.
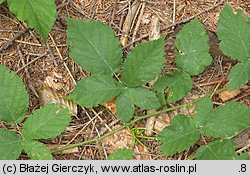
46,122
96,43
193,48
181,135
36,150
179,84
144,98
125,107
144,63
10,145
234,33
217,150
203,109
227,121
40,15
95,89
239,75
14,97
121,154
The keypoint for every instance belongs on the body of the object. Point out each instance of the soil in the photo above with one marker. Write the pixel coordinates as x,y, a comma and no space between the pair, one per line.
34,61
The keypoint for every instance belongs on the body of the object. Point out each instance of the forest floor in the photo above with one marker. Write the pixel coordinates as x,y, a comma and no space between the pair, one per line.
40,63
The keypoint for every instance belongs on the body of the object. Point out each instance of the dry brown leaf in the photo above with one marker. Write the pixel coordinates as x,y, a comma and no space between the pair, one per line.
50,81
228,95
162,121
142,152
111,105
120,139
145,20
47,96
123,139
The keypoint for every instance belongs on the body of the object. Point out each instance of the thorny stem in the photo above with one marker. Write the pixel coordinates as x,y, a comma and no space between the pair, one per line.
136,119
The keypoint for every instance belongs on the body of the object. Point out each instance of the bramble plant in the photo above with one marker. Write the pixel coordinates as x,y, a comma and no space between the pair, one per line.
96,49
40,15
97,44
46,122
102,53
234,33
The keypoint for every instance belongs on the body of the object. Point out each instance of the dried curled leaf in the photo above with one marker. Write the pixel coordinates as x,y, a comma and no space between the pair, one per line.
50,81
110,105
228,95
121,139
47,96
124,139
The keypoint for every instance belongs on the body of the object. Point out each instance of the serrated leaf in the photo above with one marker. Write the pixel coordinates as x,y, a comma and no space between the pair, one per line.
10,145
239,75
121,154
178,137
13,95
234,33
36,150
227,121
46,122
94,46
95,89
243,156
40,15
193,48
203,109
179,84
125,107
144,63
143,98
217,150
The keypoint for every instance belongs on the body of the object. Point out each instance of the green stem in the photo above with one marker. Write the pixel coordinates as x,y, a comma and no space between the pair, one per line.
136,119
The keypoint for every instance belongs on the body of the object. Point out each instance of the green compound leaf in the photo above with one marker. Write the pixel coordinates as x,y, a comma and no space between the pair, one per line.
121,154
234,33
36,150
40,15
217,150
179,84
239,75
124,107
13,95
227,121
94,46
10,145
144,63
178,137
193,48
47,122
203,109
95,89
143,98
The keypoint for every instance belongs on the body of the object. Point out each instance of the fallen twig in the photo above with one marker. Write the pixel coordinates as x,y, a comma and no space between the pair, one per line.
11,42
